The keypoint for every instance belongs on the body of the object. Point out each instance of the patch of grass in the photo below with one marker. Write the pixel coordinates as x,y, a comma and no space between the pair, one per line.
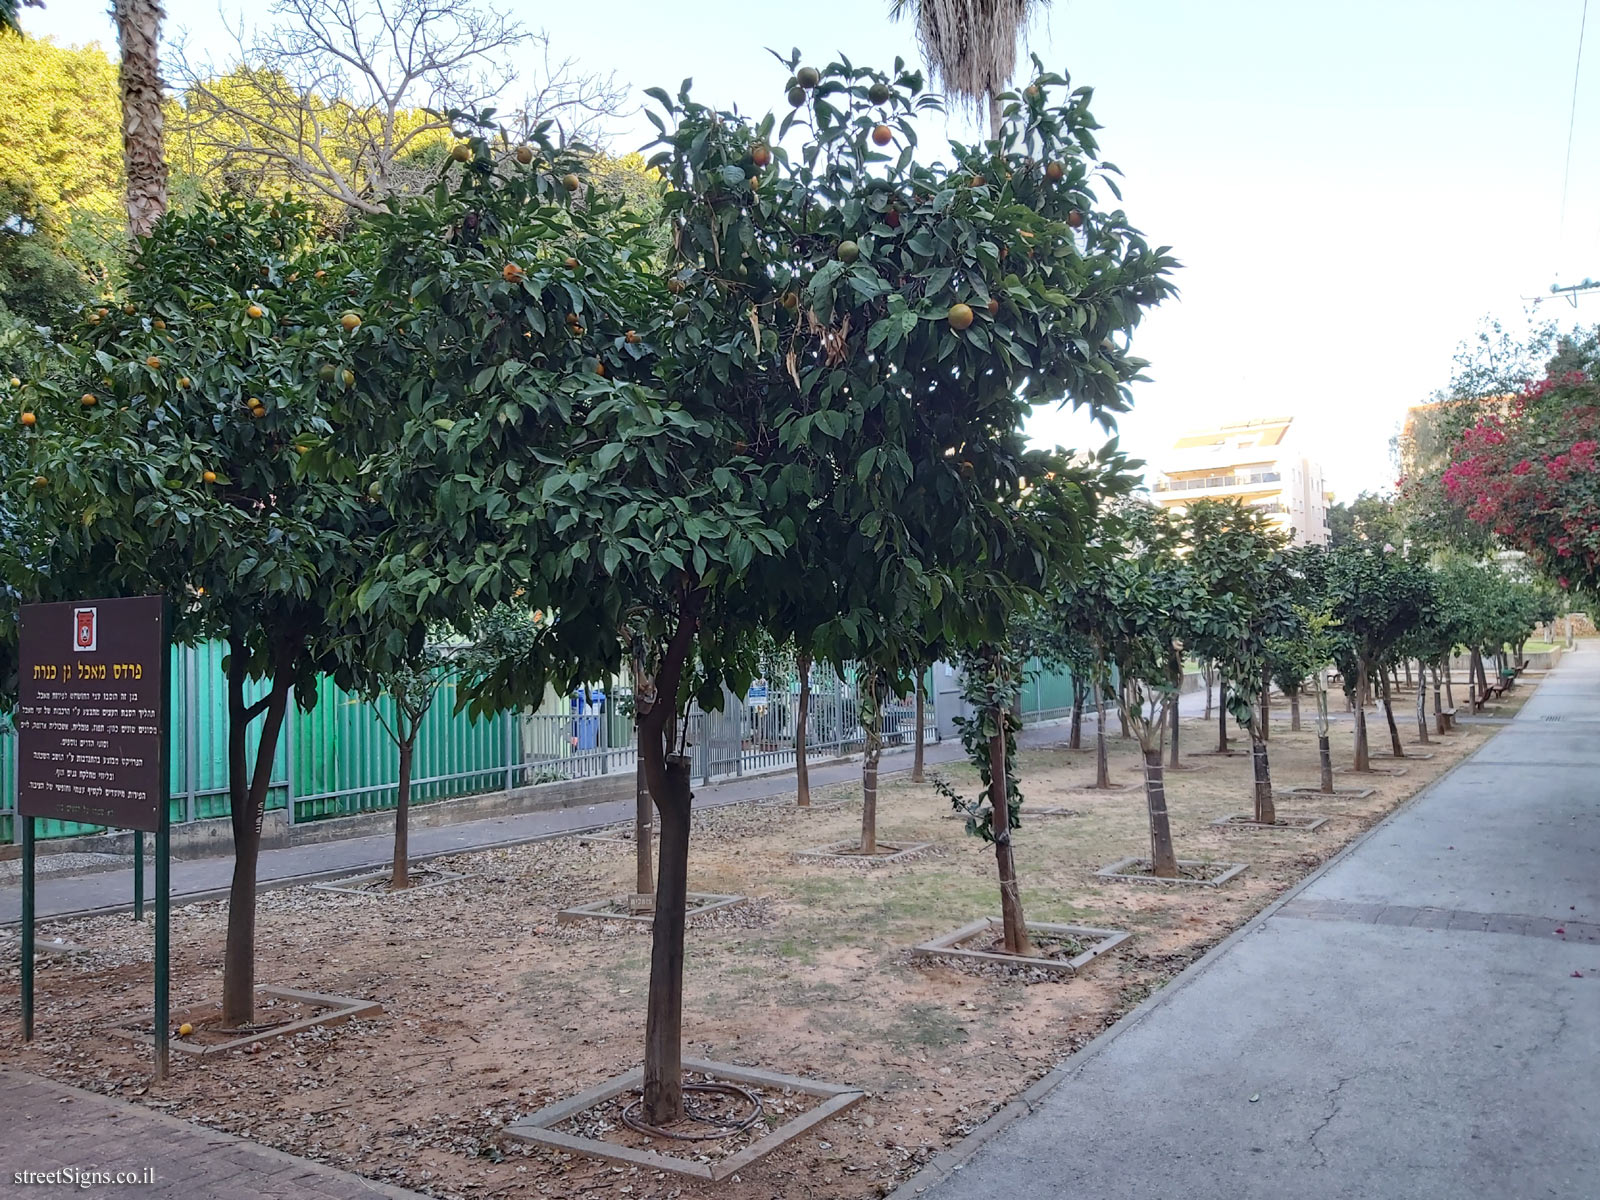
928,1025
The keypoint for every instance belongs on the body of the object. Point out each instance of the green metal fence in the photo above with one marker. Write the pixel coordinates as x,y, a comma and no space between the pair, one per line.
337,760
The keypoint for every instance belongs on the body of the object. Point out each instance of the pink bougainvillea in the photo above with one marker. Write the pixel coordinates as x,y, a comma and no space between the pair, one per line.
1532,478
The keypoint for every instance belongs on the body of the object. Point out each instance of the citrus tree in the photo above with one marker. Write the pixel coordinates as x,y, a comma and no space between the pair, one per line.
164,437
1376,596
809,424
1238,562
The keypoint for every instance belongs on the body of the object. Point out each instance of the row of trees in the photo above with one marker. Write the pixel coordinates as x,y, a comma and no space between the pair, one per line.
1218,583
801,423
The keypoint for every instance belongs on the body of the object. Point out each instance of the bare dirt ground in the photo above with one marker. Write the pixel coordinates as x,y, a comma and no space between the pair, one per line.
492,1010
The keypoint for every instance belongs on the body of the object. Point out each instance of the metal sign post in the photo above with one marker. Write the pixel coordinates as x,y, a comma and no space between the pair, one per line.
93,732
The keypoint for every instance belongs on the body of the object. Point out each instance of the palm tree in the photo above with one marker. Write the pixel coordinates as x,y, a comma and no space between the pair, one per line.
144,160
971,45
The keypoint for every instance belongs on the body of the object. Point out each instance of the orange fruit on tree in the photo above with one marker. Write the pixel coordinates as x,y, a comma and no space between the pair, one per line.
350,321
631,338
255,312
153,363
994,306
959,316
88,400
349,378
29,420
158,323
511,272
39,481
1055,172
129,309
209,476
15,382
524,155
571,264
571,182
808,77
1075,219
882,135
461,153
183,381
761,155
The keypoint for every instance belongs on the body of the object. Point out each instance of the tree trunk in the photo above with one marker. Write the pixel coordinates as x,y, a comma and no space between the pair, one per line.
1172,727
872,724
1294,711
663,1037
1163,858
144,160
1438,707
1266,813
1449,687
643,825
667,776
1208,677
1102,763
1363,759
916,754
802,715
1388,715
1014,927
1324,752
1222,715
1266,706
1075,734
400,874
1407,663
247,798
1422,703
1483,680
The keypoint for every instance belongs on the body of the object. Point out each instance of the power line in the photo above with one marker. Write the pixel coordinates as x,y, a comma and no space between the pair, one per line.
1572,121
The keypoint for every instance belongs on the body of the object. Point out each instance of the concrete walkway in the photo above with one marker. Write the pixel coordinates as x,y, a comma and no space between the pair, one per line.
55,1138
1420,1021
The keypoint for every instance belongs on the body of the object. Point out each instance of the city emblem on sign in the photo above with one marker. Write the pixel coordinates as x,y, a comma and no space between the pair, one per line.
86,636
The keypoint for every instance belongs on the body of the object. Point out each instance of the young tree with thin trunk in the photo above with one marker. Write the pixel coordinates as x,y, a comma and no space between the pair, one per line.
802,718
990,676
921,691
410,689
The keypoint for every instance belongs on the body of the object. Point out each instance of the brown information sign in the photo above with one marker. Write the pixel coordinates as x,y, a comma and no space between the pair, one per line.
92,718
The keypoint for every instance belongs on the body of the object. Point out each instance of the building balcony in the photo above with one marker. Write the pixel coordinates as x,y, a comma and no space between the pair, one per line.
1218,482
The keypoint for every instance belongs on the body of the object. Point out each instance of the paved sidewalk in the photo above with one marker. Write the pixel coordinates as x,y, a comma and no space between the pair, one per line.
64,894
1420,1022
47,1126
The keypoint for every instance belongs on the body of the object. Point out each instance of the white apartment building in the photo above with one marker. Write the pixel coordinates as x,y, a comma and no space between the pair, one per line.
1255,462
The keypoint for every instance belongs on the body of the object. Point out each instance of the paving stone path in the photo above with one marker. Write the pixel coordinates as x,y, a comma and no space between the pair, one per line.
48,1127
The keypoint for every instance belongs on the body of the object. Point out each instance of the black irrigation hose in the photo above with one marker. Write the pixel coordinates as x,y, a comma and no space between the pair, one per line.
722,1128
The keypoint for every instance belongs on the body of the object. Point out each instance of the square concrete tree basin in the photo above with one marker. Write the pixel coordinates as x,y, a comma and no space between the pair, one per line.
1088,789
1297,823
1371,770
318,1010
955,946
1355,793
615,908
1192,872
848,853
1409,754
539,1128
373,883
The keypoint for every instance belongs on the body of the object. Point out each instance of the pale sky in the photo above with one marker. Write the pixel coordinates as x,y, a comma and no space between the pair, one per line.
1351,186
